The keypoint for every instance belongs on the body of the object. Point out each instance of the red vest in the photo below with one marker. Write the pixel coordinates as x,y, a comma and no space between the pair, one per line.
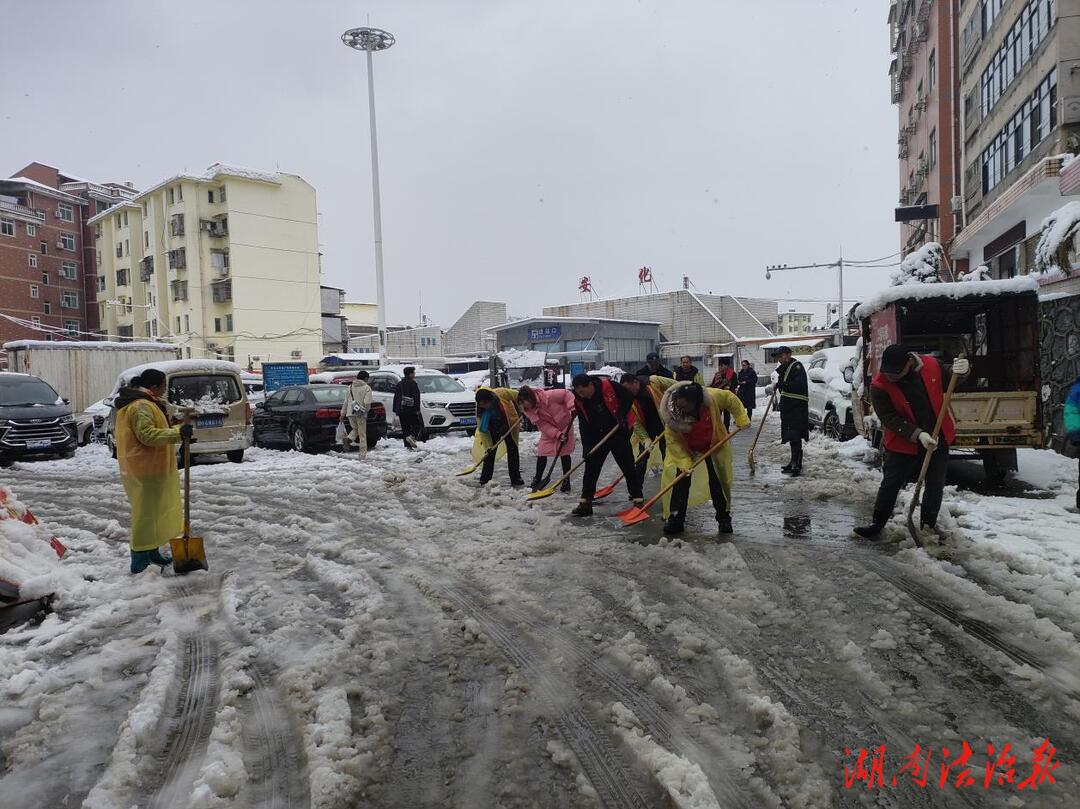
931,377
611,402
700,437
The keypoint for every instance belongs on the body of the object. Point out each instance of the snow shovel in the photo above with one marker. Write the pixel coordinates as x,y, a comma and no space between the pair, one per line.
635,514
917,496
551,489
558,453
188,552
493,448
604,492
761,425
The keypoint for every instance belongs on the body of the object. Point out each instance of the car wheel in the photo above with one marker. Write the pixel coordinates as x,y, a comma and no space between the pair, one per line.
235,455
832,426
298,439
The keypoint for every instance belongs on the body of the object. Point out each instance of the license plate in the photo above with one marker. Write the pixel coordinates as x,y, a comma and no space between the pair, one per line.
42,444
468,422
209,421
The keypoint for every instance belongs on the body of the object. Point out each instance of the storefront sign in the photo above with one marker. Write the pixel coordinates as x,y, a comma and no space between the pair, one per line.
545,334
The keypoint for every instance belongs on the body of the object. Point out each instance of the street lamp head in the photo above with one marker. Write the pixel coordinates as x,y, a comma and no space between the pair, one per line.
768,275
368,39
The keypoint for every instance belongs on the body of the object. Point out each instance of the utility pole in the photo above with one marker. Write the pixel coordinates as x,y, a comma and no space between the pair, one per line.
839,265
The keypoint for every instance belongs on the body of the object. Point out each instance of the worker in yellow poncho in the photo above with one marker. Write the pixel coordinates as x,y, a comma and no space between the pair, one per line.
693,423
497,412
144,442
647,422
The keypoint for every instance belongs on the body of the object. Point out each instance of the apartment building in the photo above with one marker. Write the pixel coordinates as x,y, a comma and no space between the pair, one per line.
923,42
1021,112
224,263
47,270
792,322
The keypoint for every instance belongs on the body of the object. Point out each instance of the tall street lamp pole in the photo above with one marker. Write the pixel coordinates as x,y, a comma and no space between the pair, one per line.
841,324
370,40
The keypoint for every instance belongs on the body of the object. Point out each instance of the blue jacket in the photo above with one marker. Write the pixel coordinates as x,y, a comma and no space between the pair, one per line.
1072,413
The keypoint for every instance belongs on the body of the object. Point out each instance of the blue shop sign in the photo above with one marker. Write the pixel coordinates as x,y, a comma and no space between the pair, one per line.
545,334
282,374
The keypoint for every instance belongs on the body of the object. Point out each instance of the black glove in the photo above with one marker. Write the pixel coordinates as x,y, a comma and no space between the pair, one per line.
187,431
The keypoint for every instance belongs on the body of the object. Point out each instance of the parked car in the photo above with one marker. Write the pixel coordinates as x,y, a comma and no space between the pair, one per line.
213,391
830,374
91,423
35,422
254,387
305,417
445,404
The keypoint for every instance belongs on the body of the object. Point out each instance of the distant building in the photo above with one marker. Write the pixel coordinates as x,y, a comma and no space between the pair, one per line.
225,264
409,343
360,318
702,326
335,336
48,273
469,335
582,343
792,322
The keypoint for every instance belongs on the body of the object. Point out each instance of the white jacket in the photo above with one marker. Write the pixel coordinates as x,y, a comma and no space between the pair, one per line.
359,393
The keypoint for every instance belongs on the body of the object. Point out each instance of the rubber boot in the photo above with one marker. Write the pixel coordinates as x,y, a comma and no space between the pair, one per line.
723,523
534,485
870,531
674,525
140,560
584,508
157,558
565,486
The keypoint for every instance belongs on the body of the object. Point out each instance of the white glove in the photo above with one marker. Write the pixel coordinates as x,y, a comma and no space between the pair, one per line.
928,441
961,366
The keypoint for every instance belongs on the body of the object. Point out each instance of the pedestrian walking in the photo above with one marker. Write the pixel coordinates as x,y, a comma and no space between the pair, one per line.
552,411
551,375
653,367
497,416
407,407
603,405
648,425
907,395
746,387
794,406
1072,427
724,379
147,460
693,425
354,412
688,372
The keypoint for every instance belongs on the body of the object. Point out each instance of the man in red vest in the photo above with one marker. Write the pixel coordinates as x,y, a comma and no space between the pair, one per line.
601,405
907,394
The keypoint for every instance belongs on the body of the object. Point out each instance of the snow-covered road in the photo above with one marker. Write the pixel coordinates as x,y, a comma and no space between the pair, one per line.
386,634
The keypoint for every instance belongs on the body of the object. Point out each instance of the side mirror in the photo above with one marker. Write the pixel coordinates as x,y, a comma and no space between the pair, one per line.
849,375
816,375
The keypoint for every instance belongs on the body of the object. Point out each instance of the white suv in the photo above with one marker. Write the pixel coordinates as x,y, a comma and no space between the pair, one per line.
445,404
829,377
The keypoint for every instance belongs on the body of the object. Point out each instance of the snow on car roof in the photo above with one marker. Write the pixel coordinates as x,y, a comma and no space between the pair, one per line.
522,358
400,370
954,290
181,366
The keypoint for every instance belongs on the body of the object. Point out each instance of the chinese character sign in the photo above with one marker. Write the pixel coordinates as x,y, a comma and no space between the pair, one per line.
545,334
585,285
644,275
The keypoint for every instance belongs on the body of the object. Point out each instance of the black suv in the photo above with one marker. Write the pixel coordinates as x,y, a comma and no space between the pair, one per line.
34,421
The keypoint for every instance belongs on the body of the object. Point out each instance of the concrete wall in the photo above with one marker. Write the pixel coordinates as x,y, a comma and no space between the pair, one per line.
467,336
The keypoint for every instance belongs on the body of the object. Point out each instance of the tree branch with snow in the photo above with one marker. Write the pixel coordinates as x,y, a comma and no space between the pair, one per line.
1058,232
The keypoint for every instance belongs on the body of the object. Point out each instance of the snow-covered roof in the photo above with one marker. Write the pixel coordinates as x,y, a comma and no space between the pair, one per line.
46,189
89,345
954,290
521,358
806,342
181,366
1058,227
582,319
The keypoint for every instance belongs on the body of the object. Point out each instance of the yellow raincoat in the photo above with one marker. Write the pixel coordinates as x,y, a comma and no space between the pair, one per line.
144,442
508,400
680,457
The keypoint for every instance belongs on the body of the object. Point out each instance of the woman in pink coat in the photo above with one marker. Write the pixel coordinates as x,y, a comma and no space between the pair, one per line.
552,411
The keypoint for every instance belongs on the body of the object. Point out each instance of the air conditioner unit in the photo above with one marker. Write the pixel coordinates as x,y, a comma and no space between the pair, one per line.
59,242
956,204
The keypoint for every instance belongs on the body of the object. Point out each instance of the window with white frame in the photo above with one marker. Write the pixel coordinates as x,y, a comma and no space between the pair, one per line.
68,270
71,327
65,212
45,279
35,291
33,259
101,283
67,241
46,307
7,227
35,320
69,300
31,230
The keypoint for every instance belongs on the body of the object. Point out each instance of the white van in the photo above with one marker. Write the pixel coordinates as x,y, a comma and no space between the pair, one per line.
445,404
213,392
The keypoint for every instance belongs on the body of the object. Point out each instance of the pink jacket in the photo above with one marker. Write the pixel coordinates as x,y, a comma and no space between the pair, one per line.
552,415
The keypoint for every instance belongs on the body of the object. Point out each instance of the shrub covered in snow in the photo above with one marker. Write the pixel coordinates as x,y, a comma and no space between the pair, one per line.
980,273
1058,231
921,267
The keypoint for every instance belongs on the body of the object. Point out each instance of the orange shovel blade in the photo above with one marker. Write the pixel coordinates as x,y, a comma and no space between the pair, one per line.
634,515
189,554
604,492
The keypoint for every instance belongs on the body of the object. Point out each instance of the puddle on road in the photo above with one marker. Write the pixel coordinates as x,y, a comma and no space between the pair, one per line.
798,526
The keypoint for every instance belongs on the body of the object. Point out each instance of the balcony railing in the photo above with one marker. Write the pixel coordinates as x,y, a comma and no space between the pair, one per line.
215,228
222,291
14,207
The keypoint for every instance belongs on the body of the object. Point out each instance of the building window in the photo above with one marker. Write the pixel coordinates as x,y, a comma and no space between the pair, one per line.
68,270
100,283
146,239
69,300
46,307
65,212
125,219
1018,46
176,224
7,227
31,230
145,209
71,327
228,322
210,196
33,259
127,248
67,241
217,324
178,259
931,148
45,278
931,72
123,278
35,291
35,321
119,222
43,248
221,194
179,291
178,324
1032,123
187,323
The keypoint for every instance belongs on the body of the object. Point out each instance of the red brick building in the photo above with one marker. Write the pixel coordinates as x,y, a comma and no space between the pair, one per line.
48,262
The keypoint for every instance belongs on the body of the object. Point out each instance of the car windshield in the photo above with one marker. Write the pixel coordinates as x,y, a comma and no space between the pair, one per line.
329,394
26,392
438,384
204,388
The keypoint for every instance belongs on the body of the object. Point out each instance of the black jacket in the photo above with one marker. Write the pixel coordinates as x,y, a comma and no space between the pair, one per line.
645,372
792,401
654,426
747,388
598,420
689,375
406,389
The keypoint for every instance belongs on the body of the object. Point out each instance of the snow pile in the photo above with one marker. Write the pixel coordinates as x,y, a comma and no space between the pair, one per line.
206,405
980,273
921,267
29,554
1058,230
472,379
951,291
522,358
609,371
243,172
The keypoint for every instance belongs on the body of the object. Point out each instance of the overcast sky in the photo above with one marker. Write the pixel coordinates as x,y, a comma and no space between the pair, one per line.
523,144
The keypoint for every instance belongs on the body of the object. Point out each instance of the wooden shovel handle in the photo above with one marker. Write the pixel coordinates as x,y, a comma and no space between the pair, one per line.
637,460
187,486
761,424
587,455
712,451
